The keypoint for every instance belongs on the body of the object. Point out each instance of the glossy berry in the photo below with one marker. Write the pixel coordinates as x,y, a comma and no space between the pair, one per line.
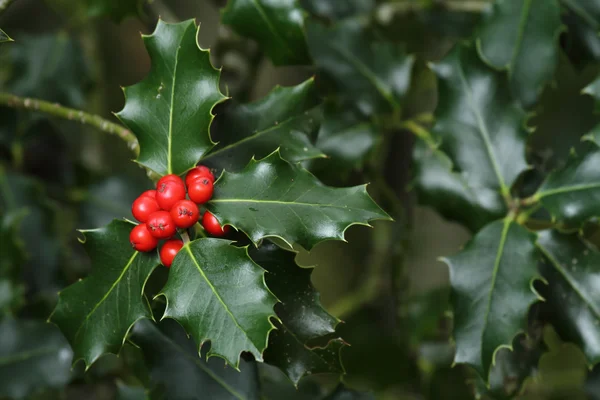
212,226
169,250
201,190
149,193
185,213
169,178
143,206
168,193
161,225
141,239
198,172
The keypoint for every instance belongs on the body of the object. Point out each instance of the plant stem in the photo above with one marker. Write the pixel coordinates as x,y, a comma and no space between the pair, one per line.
71,114
184,235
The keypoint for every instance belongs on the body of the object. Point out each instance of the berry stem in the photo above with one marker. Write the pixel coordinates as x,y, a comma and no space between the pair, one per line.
55,109
184,236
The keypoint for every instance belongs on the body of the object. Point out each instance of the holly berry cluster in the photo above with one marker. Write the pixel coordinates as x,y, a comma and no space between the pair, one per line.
162,211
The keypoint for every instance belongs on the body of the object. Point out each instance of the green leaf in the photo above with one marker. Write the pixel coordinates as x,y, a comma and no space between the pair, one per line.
170,111
116,9
175,365
521,36
217,293
373,76
593,89
276,25
11,296
340,10
4,37
491,281
273,198
302,317
96,314
346,139
572,292
33,356
286,119
480,126
571,193
583,23
450,193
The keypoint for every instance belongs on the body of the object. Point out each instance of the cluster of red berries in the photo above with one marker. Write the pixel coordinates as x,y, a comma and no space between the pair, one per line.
165,209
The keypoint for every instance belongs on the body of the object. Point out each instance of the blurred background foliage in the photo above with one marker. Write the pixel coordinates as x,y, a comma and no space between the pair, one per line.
385,283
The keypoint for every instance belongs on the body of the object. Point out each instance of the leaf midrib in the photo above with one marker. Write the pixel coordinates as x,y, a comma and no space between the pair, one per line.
115,283
272,28
171,107
287,203
26,355
580,292
566,189
482,129
216,293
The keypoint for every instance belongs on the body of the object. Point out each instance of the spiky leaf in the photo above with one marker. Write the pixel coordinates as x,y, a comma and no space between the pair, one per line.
273,198
217,293
450,193
571,270
479,125
491,281
521,36
572,193
286,119
96,313
175,364
302,317
372,75
276,25
33,356
170,111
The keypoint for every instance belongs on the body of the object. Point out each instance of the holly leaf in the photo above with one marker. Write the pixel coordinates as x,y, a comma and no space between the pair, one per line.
572,290
33,356
570,193
4,37
116,9
522,37
114,288
583,22
217,293
273,198
341,10
491,280
345,138
374,76
480,127
174,365
302,318
284,119
276,26
170,111
450,193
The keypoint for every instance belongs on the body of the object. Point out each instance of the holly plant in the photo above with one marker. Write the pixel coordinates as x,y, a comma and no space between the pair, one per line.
163,251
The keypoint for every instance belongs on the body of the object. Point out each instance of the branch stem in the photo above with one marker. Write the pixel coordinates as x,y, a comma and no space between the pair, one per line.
70,114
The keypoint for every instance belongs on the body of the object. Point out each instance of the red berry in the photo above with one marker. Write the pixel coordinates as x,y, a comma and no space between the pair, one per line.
212,226
149,193
169,193
169,178
161,225
200,171
169,250
185,213
201,190
143,206
141,239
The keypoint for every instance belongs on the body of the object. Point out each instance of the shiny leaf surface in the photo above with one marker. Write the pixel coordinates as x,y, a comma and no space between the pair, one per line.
217,293
491,281
571,271
286,119
33,356
522,37
480,127
170,111
372,75
176,366
273,198
276,25
96,314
